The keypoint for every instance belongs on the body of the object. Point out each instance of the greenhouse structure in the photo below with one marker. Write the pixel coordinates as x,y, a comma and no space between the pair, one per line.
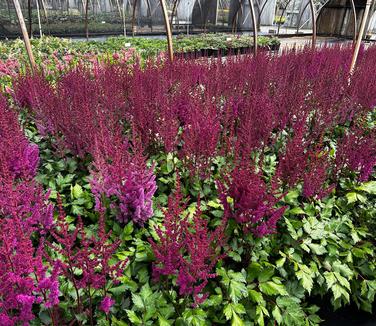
187,162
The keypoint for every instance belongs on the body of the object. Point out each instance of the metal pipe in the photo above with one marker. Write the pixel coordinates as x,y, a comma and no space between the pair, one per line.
134,15
283,12
300,18
86,19
168,30
260,13
174,8
29,14
314,29
39,21
355,21
24,34
235,17
360,36
254,23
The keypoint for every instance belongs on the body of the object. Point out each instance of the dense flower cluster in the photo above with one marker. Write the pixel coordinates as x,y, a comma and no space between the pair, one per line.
85,260
119,174
188,251
24,279
253,203
287,104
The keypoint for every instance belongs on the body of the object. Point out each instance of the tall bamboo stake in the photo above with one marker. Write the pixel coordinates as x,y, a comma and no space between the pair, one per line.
168,30
24,34
360,36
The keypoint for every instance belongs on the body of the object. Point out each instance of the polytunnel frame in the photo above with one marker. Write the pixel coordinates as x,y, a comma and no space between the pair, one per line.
254,23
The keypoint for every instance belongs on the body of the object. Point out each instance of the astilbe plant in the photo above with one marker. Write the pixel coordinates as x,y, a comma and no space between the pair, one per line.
356,151
314,180
85,261
24,279
120,172
253,203
293,161
187,250
20,195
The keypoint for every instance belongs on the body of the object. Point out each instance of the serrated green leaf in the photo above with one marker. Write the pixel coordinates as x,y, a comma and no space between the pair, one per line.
317,249
351,197
271,288
306,280
276,313
138,302
133,317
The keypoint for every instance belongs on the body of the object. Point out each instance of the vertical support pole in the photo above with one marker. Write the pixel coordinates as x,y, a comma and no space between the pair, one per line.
168,30
174,8
39,21
124,23
360,36
24,34
29,15
355,21
314,29
86,19
134,16
254,23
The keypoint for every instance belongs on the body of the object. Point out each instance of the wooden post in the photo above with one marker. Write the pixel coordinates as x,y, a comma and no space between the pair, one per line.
168,30
360,36
24,34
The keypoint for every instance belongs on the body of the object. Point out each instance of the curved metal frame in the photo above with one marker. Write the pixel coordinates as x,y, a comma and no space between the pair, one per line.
283,12
254,23
260,13
300,18
174,9
313,17
355,21
135,2
314,27
134,15
168,30
235,17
